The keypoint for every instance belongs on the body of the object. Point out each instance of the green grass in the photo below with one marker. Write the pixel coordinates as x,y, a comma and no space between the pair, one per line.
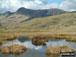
58,26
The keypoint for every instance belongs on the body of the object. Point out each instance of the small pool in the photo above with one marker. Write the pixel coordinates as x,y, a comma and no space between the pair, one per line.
38,51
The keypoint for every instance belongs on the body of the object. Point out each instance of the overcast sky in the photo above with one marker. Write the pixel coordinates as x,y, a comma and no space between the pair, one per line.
13,5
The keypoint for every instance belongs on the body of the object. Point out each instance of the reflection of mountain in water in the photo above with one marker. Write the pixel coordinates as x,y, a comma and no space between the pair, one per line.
23,39
28,44
38,51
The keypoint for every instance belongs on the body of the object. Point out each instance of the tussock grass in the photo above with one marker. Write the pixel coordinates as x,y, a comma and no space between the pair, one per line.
12,35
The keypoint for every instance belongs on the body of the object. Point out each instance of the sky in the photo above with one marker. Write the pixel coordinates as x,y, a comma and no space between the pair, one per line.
13,5
53,1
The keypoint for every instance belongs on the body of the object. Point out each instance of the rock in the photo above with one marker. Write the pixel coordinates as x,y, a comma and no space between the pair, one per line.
55,51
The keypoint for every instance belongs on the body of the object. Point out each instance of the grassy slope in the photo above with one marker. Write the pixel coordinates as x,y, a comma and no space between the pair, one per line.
63,22
53,22
12,20
59,26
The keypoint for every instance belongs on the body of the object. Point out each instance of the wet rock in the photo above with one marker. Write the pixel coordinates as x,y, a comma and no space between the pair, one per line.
55,51
15,50
39,41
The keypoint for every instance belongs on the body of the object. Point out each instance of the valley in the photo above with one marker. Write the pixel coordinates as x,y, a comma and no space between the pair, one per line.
60,25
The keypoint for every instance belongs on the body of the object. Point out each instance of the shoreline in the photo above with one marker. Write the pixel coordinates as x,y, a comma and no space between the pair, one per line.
11,36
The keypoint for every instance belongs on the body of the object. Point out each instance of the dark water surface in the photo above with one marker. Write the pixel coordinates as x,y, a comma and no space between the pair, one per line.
38,51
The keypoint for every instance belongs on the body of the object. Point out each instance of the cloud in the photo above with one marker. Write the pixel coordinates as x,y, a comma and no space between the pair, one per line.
13,5
69,5
28,44
9,5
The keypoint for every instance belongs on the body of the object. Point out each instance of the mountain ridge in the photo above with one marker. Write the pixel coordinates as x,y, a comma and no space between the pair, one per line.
40,13
23,15
37,13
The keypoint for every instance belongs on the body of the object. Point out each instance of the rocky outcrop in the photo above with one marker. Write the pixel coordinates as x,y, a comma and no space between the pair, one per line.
39,41
15,50
40,13
55,51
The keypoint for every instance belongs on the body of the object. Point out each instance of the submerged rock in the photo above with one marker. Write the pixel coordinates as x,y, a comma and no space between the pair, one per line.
55,51
15,50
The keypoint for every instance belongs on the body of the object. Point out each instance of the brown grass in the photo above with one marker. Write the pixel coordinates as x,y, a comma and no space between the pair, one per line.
8,36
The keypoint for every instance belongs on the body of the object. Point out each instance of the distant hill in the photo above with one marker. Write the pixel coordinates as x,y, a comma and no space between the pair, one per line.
11,19
52,19
23,15
0,14
8,13
39,13
36,13
63,22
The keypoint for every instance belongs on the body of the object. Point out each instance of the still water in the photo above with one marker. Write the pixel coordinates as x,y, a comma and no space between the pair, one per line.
38,51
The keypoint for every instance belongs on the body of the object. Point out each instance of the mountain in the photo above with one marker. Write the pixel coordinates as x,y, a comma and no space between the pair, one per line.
38,19
39,13
62,22
8,13
23,15
0,14
8,19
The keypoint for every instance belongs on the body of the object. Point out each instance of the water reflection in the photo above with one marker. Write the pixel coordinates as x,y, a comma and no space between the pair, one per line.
29,44
29,53
23,39
39,51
